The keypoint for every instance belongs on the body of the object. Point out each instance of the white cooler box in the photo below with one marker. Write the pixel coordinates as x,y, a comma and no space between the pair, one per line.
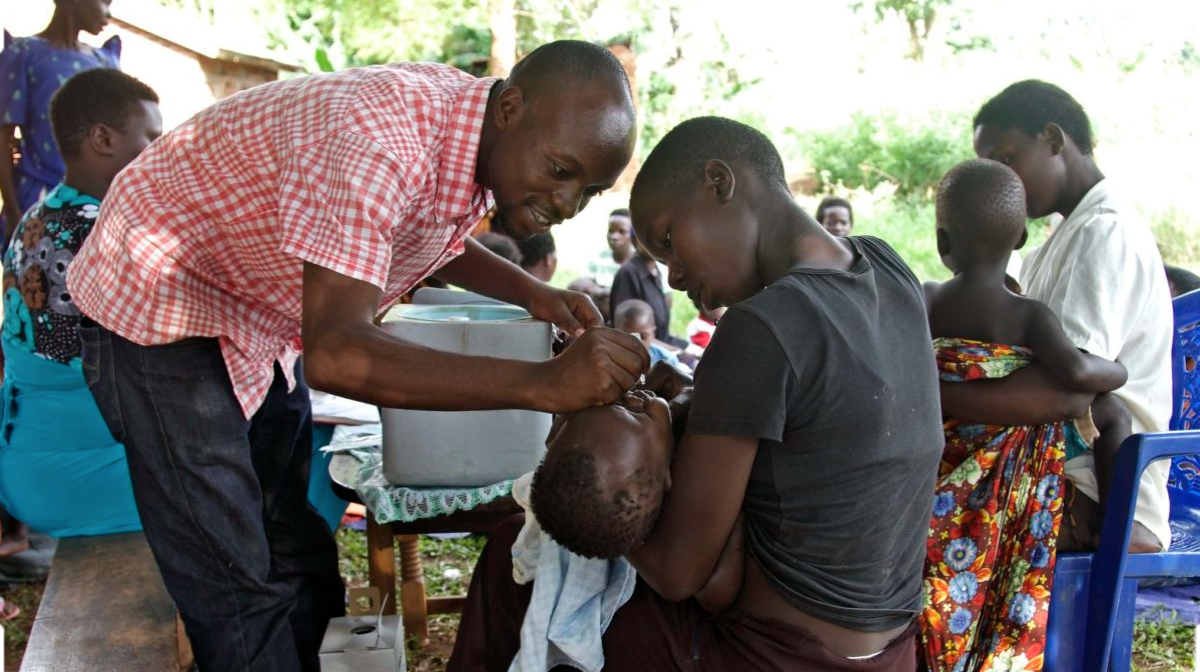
465,448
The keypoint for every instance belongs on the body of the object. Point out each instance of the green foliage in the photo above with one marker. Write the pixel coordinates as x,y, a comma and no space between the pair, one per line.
1176,236
1163,647
882,148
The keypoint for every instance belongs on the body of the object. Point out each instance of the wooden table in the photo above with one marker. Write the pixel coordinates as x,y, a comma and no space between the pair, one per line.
415,605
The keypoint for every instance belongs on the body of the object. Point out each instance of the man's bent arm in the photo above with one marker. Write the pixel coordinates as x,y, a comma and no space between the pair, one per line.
346,354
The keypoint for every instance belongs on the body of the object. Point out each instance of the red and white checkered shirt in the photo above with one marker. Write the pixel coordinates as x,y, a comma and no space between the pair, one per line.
367,172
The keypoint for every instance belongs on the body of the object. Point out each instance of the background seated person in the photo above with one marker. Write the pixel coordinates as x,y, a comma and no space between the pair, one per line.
61,470
836,215
539,257
636,317
1100,272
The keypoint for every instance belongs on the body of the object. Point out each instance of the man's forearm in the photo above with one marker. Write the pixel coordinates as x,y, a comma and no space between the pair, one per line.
368,364
481,271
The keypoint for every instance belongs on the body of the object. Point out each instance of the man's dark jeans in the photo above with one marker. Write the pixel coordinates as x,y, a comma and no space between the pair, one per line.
252,567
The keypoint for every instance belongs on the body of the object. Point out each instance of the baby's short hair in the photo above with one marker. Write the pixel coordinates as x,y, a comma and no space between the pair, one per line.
590,518
632,309
982,203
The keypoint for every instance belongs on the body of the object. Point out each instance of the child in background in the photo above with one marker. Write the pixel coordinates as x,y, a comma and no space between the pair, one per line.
61,470
701,328
999,500
836,215
636,317
1181,281
501,245
539,256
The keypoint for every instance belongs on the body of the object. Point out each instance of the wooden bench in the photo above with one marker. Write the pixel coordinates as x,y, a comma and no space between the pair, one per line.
105,609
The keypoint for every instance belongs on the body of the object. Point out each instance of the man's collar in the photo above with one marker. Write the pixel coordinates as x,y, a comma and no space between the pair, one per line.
457,192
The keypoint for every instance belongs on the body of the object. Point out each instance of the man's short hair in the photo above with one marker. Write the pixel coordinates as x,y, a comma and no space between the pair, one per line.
678,159
833,202
501,245
98,96
536,248
1030,105
632,309
562,63
983,203
584,517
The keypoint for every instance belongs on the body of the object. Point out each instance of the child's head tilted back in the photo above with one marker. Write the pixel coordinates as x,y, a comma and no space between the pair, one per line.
600,488
980,214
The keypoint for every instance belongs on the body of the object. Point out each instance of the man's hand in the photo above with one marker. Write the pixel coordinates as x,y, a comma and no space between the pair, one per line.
596,369
573,312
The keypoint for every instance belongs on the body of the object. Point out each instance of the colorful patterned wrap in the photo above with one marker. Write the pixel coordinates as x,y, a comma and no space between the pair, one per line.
996,515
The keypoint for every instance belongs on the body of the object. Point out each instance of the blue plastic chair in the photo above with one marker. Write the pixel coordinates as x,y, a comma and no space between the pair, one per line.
1092,603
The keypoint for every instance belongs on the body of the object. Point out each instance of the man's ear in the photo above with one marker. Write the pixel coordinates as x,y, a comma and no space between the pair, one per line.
943,242
718,177
1056,137
101,138
1024,239
510,107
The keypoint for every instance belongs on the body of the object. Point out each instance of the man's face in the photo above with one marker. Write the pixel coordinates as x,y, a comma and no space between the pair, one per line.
619,241
140,130
836,221
1033,159
553,155
632,434
710,248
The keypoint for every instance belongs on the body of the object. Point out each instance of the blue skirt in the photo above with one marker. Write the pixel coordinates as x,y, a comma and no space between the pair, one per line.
61,471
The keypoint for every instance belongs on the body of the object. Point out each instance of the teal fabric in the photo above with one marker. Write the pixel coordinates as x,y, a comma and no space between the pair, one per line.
60,469
1076,446
320,485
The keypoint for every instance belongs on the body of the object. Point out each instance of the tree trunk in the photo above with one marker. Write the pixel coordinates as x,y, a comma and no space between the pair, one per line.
502,18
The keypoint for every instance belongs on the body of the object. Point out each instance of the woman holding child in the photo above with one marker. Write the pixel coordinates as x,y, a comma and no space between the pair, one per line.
804,426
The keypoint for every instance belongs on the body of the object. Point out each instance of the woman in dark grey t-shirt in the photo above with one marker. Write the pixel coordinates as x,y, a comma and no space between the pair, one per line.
815,417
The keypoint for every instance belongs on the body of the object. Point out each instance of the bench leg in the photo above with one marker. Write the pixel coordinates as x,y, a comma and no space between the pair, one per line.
381,563
412,590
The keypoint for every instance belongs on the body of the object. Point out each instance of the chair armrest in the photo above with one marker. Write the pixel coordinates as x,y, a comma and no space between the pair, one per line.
1110,560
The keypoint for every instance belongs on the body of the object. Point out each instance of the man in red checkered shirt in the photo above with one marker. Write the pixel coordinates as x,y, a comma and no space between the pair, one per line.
286,218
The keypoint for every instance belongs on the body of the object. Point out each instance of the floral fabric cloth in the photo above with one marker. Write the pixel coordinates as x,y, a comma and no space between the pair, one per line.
39,315
996,515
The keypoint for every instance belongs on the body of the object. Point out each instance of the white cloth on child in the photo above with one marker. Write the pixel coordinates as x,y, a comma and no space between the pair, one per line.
574,598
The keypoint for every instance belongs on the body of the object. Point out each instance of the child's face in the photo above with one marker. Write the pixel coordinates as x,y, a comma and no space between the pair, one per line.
836,221
624,437
708,242
642,327
619,228
140,130
1036,161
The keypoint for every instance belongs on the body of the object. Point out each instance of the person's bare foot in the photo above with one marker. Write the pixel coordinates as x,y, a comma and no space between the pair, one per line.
16,541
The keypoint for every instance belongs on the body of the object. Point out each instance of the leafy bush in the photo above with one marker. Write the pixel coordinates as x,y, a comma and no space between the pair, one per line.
1177,237
874,149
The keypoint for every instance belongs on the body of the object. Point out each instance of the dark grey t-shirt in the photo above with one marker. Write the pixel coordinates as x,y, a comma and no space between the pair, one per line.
834,373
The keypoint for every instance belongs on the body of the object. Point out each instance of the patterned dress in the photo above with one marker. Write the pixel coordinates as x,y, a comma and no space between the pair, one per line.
996,515
31,71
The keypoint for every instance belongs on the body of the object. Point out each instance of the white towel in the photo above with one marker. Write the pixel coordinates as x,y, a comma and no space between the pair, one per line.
574,598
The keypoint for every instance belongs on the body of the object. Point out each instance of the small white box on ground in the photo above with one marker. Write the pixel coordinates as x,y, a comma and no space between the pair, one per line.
363,644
